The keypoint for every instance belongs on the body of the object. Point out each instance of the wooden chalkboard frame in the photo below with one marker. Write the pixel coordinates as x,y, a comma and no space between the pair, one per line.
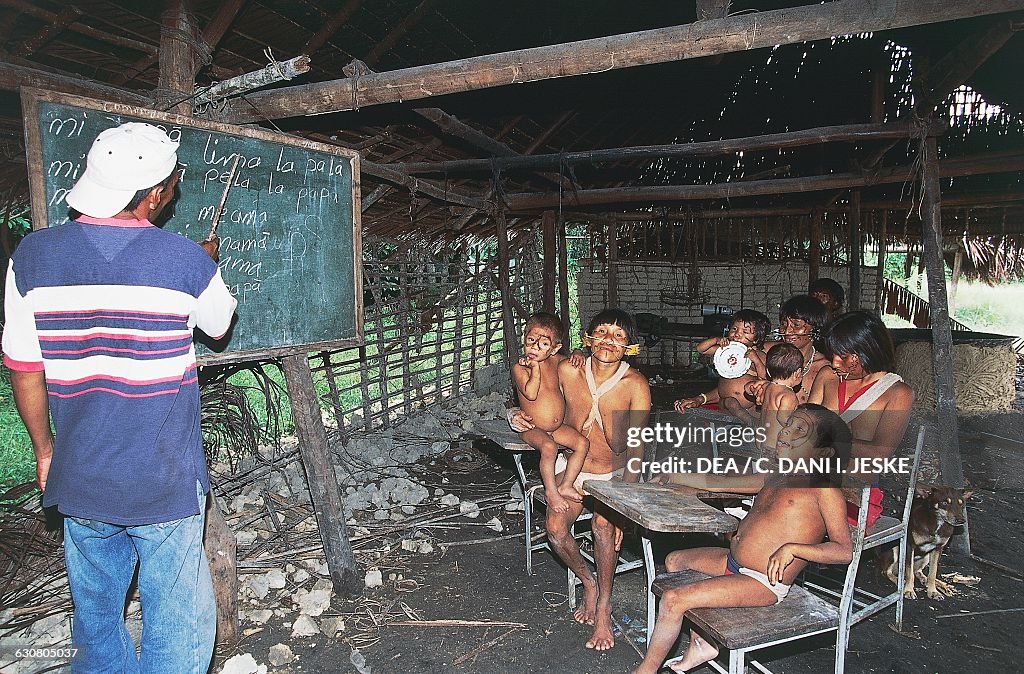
31,99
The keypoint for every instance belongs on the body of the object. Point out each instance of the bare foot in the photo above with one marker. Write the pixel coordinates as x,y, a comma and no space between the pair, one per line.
555,501
584,613
699,652
601,639
569,493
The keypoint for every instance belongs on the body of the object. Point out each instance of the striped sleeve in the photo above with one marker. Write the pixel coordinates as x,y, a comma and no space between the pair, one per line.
215,307
20,339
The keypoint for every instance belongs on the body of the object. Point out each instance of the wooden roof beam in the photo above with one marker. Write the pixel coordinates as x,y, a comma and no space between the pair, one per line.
424,187
52,17
827,134
398,32
13,76
67,16
987,200
953,69
596,55
662,193
337,20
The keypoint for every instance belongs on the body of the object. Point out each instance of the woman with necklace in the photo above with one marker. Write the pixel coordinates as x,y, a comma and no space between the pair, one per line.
801,320
861,387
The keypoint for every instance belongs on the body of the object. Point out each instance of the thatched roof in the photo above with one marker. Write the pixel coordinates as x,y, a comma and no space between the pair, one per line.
740,93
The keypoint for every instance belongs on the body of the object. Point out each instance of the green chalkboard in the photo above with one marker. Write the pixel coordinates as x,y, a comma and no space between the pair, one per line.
290,236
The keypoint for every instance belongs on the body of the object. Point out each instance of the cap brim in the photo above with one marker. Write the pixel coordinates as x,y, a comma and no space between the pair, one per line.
90,198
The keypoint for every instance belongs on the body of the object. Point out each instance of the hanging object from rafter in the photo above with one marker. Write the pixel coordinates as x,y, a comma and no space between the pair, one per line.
276,71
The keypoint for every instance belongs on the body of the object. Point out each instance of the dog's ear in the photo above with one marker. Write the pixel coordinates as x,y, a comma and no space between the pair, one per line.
967,493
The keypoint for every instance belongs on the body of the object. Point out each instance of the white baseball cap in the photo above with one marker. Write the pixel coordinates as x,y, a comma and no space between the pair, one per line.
122,161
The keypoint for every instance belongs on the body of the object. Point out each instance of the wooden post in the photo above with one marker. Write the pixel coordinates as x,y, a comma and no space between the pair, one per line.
323,485
942,339
221,553
814,250
855,252
177,58
550,261
612,240
177,77
507,317
958,267
882,248
563,283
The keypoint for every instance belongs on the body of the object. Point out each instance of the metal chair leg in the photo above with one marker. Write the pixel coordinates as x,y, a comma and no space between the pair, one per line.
572,576
649,567
736,662
901,579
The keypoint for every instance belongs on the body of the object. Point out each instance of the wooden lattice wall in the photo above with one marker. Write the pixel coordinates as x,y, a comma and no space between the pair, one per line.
432,318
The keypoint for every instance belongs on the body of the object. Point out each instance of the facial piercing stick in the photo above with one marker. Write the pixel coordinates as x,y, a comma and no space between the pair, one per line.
223,199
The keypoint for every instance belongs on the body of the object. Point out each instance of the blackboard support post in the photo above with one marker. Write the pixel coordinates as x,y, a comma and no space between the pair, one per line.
323,485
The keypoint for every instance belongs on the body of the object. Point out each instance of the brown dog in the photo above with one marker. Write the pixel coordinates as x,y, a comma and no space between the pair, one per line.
935,513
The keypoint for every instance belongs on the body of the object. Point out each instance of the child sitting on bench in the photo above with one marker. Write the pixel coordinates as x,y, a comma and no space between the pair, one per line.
807,512
537,378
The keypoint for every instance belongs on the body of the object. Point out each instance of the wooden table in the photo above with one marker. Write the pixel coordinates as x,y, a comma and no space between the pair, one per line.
500,433
659,507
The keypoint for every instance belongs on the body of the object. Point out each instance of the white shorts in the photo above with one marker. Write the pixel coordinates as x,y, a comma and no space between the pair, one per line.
561,463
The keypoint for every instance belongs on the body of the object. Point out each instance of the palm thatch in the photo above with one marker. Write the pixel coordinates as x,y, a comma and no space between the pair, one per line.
990,259
241,406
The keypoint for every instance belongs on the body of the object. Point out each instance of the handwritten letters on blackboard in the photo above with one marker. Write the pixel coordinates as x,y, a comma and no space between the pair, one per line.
290,241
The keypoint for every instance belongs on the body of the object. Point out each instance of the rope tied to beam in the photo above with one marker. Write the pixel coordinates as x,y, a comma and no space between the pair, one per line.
199,46
499,191
920,137
354,71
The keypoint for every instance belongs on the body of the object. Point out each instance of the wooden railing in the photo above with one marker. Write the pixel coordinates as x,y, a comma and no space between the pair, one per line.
910,306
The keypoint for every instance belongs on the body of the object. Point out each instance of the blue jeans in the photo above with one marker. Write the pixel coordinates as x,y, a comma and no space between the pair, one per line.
179,614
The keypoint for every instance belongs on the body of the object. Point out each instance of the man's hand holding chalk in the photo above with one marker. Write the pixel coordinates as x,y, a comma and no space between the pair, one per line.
211,244
212,247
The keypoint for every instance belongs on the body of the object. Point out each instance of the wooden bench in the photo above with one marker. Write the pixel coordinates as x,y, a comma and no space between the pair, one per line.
800,614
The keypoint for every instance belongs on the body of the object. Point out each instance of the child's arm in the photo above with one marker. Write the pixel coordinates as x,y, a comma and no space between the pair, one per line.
577,358
757,357
526,374
838,549
711,344
786,405
697,401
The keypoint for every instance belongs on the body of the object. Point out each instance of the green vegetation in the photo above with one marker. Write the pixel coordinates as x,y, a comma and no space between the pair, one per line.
992,308
17,464
985,308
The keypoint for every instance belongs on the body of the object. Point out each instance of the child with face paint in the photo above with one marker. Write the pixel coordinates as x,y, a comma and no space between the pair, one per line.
536,376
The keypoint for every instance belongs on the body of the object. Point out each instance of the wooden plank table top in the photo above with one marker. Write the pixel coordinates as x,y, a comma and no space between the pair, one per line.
499,432
661,507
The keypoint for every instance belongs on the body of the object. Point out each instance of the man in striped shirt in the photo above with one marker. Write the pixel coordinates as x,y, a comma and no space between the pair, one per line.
99,319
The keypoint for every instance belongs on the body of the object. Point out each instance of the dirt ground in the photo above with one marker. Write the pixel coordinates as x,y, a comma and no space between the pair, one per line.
975,630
